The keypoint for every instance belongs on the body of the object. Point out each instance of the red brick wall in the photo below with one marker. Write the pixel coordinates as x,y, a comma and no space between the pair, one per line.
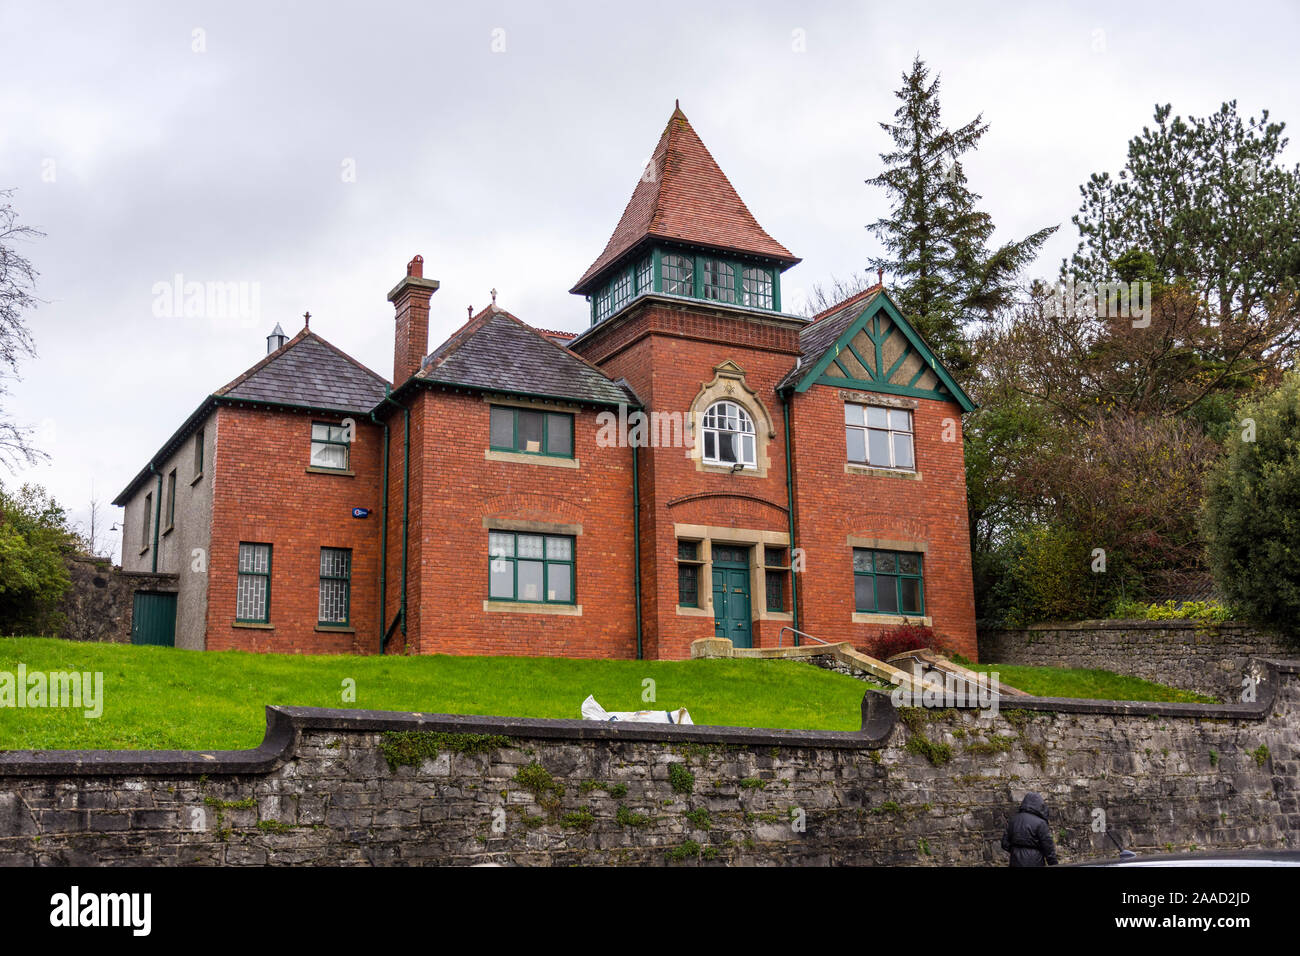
831,505
454,488
667,354
264,494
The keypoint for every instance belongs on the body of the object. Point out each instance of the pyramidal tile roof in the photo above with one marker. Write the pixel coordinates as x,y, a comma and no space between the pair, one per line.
498,352
684,195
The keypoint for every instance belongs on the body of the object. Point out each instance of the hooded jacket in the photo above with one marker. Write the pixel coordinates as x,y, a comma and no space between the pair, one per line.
1028,838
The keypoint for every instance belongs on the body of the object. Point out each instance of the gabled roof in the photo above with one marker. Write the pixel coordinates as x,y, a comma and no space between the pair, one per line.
306,372
684,196
865,343
310,372
497,352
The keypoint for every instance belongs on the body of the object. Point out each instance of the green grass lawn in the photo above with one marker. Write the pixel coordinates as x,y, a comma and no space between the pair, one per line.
162,698
1089,684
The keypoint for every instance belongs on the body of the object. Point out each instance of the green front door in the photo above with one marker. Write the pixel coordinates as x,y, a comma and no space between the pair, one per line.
731,595
153,619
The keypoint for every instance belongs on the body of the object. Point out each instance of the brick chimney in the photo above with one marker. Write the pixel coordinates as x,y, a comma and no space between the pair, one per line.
411,339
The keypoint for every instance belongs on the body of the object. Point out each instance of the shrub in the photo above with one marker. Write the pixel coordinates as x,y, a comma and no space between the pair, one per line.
901,638
35,537
1251,518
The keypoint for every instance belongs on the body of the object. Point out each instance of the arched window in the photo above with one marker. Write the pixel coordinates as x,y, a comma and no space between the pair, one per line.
728,435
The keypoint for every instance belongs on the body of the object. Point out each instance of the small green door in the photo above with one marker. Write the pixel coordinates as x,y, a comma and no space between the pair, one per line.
153,619
731,595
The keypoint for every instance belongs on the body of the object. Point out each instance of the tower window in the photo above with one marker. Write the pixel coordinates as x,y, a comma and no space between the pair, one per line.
756,288
645,276
678,275
620,292
728,435
719,280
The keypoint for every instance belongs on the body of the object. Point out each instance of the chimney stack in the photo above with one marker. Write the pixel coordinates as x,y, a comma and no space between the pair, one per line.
411,298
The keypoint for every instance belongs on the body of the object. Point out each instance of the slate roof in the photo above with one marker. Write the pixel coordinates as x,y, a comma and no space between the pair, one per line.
824,329
685,196
495,351
305,371
308,371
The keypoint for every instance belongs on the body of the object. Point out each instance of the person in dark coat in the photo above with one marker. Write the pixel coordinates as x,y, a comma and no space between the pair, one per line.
1028,838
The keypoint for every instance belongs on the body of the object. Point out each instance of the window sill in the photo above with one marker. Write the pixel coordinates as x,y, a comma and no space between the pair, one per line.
523,458
861,617
343,472
852,469
727,469
197,478
254,625
168,530
527,607
144,550
684,610
335,629
777,616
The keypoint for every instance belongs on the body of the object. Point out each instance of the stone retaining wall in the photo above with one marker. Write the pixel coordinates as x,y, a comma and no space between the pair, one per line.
1178,653
99,603
911,787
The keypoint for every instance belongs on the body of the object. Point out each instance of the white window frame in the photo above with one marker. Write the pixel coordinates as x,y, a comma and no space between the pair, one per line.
714,424
889,429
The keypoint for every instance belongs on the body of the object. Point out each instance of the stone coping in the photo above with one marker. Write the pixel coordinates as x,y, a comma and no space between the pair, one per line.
284,725
1135,623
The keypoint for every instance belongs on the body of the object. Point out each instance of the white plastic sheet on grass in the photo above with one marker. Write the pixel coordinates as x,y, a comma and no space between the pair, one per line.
593,711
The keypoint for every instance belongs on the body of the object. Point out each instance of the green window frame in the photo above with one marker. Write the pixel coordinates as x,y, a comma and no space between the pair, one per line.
171,499
253,583
688,573
677,274
148,522
532,568
327,439
334,607
717,280
889,582
530,431
757,287
775,572
198,454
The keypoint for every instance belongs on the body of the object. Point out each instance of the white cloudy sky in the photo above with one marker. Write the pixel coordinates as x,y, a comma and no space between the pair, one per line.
507,168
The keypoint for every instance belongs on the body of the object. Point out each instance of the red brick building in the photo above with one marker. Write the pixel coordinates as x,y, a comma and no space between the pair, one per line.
697,462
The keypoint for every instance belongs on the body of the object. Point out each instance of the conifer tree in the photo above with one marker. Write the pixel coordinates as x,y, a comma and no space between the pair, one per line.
935,236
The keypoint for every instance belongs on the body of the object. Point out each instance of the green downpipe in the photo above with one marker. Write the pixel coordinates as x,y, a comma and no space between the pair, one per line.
383,535
636,546
406,503
789,497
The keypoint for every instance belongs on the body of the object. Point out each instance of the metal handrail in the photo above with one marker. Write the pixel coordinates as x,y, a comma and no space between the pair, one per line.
795,630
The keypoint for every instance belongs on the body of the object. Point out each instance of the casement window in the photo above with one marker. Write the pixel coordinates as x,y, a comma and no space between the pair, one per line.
678,275
148,522
537,568
888,582
253,587
756,288
620,291
198,454
719,280
171,499
728,435
604,304
335,586
329,446
531,432
688,573
776,571
645,272
879,437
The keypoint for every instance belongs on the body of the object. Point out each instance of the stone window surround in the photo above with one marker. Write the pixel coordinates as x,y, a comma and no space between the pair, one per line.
522,458
884,401
743,537
728,384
